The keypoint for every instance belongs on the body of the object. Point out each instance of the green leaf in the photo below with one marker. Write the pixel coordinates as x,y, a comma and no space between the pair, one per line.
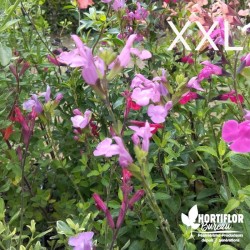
246,72
162,196
208,150
226,247
5,54
222,148
234,184
93,173
63,228
149,232
15,216
232,204
240,161
126,245
2,209
43,233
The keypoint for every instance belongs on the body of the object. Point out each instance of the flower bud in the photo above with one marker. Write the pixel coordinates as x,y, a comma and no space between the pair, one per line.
77,112
136,197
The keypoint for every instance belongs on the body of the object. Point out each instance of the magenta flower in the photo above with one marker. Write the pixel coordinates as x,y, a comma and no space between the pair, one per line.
218,35
208,70
81,121
82,241
237,135
158,113
194,83
231,96
188,97
246,60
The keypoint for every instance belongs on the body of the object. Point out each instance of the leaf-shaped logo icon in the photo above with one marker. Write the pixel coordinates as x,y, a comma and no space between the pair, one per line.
190,219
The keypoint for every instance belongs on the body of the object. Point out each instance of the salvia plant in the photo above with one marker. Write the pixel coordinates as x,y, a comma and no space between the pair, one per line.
125,124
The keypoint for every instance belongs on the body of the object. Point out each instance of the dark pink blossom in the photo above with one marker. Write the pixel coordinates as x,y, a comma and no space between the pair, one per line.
237,135
188,97
188,59
102,206
209,70
232,96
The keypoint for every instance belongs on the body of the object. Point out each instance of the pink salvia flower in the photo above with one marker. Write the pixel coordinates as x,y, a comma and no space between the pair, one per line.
159,113
82,57
237,135
108,149
82,241
81,121
208,70
194,83
125,158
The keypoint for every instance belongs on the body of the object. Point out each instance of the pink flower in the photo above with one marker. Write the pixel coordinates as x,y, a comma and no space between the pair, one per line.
83,4
82,57
158,113
208,70
82,241
246,60
117,4
194,83
237,135
125,158
124,57
108,149
154,127
81,121
144,133
145,90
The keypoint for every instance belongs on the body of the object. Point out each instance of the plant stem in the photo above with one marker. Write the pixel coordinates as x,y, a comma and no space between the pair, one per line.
164,225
